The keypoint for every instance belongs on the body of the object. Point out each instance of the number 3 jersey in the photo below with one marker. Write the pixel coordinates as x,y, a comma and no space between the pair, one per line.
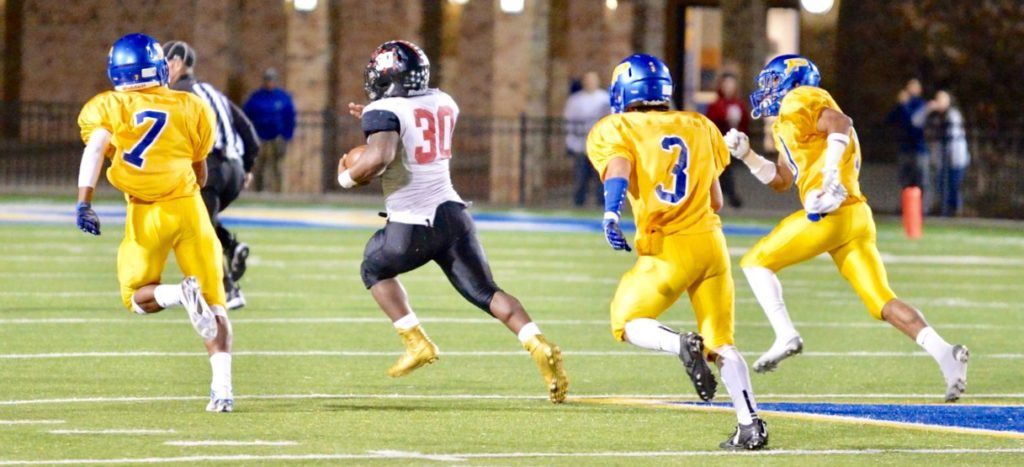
156,135
676,157
418,180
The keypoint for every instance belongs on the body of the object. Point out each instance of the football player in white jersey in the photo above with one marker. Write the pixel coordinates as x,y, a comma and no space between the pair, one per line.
427,220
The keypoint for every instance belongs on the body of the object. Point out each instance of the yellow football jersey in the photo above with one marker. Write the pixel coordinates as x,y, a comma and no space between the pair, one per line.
676,157
803,146
157,134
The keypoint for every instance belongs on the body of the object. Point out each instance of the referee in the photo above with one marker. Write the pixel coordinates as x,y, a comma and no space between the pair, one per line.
228,165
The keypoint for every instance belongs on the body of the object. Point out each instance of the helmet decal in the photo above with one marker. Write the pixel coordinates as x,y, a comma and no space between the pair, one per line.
793,63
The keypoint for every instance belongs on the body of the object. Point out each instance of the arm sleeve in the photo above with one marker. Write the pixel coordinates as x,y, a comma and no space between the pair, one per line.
376,121
245,131
803,106
92,158
605,143
289,116
204,129
93,117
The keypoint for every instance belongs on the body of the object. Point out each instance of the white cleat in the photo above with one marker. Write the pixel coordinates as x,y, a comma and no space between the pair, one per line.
199,313
777,353
224,405
956,384
235,299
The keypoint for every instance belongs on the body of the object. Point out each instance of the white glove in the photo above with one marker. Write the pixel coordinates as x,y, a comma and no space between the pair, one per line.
738,143
820,202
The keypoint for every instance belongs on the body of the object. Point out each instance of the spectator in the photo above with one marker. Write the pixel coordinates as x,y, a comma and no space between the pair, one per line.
949,150
909,117
273,114
728,112
582,110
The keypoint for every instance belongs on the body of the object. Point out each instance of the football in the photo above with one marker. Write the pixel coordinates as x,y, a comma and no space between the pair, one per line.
349,158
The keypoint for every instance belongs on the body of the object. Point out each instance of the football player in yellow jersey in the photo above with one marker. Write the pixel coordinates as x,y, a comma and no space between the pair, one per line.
819,151
668,163
157,140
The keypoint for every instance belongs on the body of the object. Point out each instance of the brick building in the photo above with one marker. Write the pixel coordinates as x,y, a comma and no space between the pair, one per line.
498,59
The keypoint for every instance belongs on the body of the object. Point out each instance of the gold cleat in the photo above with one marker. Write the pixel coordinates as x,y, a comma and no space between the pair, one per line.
548,358
419,351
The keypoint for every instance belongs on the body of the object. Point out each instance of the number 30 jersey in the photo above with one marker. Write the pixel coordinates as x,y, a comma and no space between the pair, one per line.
676,157
156,135
419,181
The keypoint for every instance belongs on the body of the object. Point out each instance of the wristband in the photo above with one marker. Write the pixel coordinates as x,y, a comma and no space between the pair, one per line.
763,169
345,180
614,194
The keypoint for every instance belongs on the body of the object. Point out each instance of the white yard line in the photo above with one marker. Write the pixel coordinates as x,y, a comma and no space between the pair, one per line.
459,457
31,422
135,320
504,397
225,442
453,353
114,431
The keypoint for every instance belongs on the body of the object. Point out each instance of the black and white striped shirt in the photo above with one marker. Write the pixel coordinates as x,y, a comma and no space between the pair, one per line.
234,136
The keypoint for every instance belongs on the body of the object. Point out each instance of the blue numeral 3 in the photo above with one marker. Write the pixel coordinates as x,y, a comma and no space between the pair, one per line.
679,172
136,155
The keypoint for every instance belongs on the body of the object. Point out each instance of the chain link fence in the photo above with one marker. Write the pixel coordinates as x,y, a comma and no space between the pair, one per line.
517,161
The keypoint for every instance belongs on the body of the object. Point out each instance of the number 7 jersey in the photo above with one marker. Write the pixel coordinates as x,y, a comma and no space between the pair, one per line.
676,157
156,135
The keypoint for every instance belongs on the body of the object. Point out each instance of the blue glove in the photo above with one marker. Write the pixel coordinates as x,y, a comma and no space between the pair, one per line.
614,196
613,233
88,221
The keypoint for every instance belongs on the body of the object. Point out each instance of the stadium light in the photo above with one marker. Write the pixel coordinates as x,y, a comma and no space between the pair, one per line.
817,7
611,4
304,6
513,6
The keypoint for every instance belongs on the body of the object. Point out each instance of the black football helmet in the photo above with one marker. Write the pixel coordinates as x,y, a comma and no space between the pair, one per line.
396,69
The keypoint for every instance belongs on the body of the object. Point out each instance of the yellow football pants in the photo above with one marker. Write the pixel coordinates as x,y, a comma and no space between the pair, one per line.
697,264
151,230
848,235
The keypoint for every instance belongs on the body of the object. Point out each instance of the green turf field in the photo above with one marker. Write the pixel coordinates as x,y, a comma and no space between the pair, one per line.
311,351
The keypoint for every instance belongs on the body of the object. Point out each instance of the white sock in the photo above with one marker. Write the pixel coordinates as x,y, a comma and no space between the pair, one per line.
650,334
220,363
734,373
936,346
167,295
408,321
527,332
768,290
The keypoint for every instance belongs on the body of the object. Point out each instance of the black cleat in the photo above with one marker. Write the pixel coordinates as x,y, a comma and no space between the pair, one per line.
691,353
237,263
748,437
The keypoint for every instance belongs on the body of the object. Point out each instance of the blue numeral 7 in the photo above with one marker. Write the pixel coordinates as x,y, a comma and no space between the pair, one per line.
136,155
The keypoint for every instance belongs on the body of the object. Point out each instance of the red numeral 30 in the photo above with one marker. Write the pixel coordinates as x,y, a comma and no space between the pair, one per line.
437,134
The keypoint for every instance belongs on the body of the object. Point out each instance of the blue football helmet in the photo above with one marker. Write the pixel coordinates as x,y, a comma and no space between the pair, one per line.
781,75
136,61
640,78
